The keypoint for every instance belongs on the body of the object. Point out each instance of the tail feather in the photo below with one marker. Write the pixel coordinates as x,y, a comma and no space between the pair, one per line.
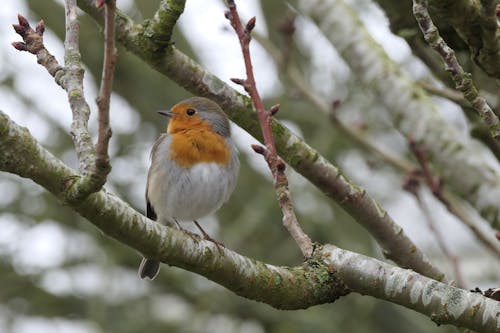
149,268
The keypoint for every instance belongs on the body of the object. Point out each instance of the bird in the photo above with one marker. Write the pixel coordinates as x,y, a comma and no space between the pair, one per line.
194,169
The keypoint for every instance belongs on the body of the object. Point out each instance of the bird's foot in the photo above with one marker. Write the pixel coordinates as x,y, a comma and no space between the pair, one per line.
206,236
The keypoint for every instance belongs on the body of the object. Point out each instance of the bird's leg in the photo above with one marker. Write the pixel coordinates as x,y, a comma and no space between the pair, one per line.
191,234
208,238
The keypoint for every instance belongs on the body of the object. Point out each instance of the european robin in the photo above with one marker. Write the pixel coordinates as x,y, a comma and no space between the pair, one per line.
194,168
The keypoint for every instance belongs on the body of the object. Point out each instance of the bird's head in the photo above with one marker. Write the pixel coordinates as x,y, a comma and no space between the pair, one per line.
197,113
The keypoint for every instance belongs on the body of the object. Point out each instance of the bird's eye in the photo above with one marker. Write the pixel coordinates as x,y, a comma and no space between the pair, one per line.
190,112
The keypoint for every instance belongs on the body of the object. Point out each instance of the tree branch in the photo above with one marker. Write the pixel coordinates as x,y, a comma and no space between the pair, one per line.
444,304
320,280
476,24
160,27
412,185
436,187
70,78
465,21
280,287
463,81
412,112
108,69
270,154
400,164
432,225
88,182
356,136
305,160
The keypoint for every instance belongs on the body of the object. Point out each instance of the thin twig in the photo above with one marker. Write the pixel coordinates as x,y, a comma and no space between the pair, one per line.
450,94
452,258
270,154
436,187
432,182
411,185
103,100
463,80
287,29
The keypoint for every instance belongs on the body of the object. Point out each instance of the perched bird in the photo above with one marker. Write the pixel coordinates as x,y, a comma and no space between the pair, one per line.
194,168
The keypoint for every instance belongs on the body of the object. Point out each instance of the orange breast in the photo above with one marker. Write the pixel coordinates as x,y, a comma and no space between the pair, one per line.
193,146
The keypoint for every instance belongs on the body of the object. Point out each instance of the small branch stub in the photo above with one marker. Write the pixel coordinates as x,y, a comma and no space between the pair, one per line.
274,109
250,25
259,149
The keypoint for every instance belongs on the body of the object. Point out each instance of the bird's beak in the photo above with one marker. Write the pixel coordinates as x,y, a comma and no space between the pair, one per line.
166,113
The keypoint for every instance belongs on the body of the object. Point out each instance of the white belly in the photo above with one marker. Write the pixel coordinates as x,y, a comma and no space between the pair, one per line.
189,193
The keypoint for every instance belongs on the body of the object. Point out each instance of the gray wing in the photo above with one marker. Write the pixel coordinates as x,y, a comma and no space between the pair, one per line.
150,212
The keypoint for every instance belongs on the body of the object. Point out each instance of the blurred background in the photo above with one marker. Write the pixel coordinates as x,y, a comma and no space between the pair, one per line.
60,274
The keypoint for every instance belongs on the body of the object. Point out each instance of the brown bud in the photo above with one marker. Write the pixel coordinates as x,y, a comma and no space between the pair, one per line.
274,109
19,29
259,149
250,24
23,21
40,27
239,81
19,46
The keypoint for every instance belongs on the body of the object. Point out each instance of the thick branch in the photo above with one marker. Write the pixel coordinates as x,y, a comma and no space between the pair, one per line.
444,304
316,282
280,287
160,27
305,160
270,154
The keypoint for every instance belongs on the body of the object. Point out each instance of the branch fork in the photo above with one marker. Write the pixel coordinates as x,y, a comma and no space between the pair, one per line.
93,160
275,163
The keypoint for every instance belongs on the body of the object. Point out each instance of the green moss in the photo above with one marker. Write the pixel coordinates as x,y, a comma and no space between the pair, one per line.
75,93
439,277
207,256
475,308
